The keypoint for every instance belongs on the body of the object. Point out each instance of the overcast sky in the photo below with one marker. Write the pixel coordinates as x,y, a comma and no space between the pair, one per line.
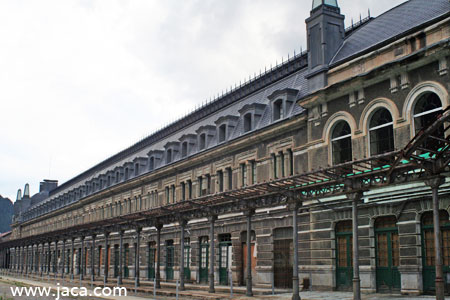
82,80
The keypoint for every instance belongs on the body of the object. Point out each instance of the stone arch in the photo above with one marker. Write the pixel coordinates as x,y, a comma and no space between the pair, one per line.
334,119
372,107
330,125
419,90
415,94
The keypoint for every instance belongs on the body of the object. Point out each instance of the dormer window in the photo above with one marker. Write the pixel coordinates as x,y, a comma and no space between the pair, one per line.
155,158
222,133
184,149
248,122
202,141
117,177
136,169
250,116
126,173
225,127
278,112
205,134
172,149
151,163
169,156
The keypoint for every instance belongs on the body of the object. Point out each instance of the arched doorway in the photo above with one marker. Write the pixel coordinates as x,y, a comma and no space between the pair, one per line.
283,249
151,260
344,255
243,273
170,258
203,259
225,255
387,254
428,254
126,261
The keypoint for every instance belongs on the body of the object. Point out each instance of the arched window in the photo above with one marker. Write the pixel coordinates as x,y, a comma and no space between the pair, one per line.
341,143
247,122
426,111
381,132
278,112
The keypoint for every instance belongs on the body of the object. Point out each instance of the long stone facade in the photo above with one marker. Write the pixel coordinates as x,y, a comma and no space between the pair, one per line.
361,95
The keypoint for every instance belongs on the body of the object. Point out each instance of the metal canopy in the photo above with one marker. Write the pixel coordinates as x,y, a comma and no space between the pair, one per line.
425,156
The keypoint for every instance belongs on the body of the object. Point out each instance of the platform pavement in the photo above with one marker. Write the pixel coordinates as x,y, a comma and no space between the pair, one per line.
169,293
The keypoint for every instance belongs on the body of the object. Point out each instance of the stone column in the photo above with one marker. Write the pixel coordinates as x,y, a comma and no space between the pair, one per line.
158,255
182,226
355,197
434,183
63,256
93,258
295,279
136,259
106,267
212,257
249,214
72,254
81,259
119,280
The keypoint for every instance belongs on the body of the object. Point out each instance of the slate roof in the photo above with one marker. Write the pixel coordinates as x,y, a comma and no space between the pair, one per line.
294,81
382,29
391,24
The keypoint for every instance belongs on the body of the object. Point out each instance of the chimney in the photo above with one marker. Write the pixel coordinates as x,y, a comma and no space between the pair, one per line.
47,185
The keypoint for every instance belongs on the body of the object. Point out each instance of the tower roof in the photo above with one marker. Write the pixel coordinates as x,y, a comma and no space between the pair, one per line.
317,3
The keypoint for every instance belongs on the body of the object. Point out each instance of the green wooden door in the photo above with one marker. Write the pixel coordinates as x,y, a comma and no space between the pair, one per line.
151,263
428,254
203,262
116,261
224,261
187,262
169,261
344,263
126,261
387,259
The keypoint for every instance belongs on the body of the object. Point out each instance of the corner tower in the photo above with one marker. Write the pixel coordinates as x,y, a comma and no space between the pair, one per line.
326,32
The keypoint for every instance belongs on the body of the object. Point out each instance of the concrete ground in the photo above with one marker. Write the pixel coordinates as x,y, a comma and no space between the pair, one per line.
168,294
